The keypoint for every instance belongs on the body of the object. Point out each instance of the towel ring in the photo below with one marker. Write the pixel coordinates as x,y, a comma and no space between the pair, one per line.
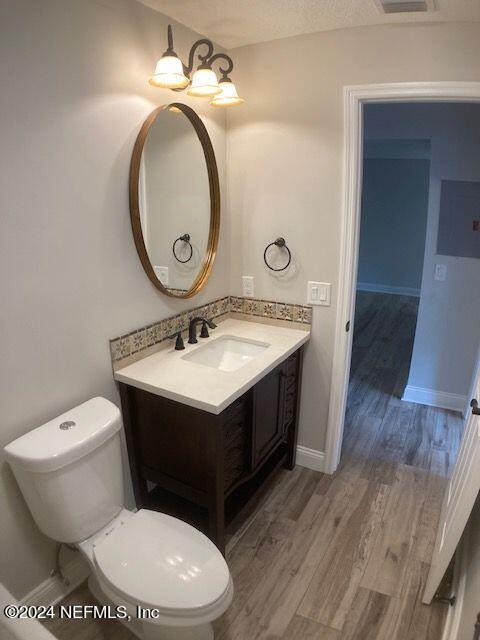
279,242
184,238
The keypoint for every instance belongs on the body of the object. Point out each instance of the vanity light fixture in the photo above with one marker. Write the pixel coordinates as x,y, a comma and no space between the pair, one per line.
171,73
228,96
204,82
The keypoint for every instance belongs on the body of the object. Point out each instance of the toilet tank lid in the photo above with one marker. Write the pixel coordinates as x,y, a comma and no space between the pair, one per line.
67,438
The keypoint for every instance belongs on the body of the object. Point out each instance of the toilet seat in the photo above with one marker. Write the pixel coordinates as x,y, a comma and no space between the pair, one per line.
160,562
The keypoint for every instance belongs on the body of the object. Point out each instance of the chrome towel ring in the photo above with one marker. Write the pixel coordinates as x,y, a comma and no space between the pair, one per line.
185,238
279,242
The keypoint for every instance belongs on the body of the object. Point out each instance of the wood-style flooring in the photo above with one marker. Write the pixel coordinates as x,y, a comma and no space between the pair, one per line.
343,557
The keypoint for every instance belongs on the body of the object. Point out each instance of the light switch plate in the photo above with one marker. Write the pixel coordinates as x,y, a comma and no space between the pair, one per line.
319,293
162,274
248,286
440,272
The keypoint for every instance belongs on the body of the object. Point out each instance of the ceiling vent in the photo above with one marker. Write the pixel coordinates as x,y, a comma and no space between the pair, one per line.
405,6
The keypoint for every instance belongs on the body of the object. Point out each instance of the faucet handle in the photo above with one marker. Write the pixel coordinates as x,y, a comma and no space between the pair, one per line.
179,346
204,332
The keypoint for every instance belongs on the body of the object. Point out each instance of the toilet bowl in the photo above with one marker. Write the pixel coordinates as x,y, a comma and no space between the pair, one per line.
166,574
168,577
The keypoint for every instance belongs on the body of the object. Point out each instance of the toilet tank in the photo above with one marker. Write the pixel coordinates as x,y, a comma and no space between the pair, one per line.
70,470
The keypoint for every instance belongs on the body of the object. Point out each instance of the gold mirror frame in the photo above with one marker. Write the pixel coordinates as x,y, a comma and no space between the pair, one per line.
214,186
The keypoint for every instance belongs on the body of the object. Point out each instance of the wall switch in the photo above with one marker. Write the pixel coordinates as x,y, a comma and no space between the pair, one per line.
247,286
318,293
440,272
162,274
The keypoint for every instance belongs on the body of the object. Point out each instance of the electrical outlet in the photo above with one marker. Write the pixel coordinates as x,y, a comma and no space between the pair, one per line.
247,286
162,274
318,293
440,272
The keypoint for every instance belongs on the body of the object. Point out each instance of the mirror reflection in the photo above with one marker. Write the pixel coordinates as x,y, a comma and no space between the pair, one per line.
174,200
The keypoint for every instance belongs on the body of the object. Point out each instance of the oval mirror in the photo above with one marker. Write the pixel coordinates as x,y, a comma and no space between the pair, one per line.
175,200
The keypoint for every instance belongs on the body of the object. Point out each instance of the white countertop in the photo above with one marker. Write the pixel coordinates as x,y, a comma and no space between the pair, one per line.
167,374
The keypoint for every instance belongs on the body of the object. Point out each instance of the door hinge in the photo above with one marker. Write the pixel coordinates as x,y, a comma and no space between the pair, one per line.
477,628
444,600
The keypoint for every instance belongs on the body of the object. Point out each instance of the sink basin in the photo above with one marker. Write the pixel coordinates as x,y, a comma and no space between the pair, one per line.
227,353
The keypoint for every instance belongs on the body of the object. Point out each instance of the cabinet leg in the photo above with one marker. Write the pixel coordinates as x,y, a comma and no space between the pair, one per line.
140,491
139,484
293,426
291,448
216,524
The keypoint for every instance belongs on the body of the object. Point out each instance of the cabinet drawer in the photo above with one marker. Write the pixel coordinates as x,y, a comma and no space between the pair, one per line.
235,409
291,364
289,389
235,450
232,474
234,433
289,404
234,466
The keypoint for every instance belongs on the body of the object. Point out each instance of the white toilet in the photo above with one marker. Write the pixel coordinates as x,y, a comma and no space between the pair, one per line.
70,473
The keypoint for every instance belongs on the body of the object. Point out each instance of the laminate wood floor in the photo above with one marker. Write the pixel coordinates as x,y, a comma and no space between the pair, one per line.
343,557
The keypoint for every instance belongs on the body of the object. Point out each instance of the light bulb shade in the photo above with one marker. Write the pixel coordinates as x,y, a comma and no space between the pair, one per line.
204,84
228,97
169,73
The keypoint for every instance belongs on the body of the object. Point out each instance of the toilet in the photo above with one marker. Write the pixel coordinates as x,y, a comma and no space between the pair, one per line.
70,473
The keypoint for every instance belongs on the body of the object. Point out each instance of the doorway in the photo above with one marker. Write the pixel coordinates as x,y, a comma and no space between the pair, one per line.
356,99
393,225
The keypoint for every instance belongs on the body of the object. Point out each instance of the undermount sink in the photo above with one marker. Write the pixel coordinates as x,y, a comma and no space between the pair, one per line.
227,353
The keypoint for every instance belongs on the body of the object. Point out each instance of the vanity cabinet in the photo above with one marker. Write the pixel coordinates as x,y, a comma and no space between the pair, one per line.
273,407
204,467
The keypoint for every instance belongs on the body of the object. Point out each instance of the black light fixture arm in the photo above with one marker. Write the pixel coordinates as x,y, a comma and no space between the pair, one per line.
204,59
227,58
170,50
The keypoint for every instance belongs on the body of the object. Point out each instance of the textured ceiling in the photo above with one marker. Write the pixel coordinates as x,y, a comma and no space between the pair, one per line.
234,23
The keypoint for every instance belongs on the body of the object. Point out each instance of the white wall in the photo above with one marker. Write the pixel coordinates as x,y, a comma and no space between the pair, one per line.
74,95
393,224
448,330
284,155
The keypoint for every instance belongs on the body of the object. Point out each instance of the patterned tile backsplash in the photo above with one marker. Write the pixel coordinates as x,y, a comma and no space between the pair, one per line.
270,309
130,346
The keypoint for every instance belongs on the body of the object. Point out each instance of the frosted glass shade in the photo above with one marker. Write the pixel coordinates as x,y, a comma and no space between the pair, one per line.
228,96
204,84
169,74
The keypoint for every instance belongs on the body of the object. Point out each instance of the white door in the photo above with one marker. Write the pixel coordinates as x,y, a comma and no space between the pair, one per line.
459,497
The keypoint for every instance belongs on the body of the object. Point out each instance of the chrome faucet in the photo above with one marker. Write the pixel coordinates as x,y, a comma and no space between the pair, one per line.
192,329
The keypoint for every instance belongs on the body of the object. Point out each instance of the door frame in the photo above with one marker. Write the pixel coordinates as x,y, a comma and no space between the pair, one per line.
354,98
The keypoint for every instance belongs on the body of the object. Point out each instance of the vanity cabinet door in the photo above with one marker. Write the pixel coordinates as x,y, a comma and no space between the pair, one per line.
267,414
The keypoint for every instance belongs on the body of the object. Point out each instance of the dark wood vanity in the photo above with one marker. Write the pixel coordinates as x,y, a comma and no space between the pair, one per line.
204,467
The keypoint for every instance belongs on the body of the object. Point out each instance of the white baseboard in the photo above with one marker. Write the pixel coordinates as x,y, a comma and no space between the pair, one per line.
52,590
434,398
310,458
386,288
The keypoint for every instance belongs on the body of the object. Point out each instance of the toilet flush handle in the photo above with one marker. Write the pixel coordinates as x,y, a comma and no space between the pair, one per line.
68,424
